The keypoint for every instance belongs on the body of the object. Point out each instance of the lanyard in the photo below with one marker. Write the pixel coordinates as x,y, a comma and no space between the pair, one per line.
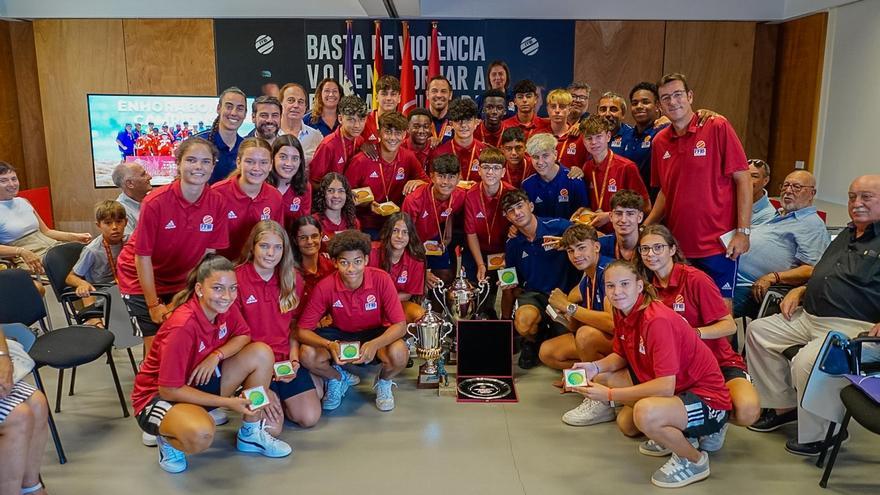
386,185
562,148
600,198
344,148
110,259
490,225
442,129
591,292
470,161
440,231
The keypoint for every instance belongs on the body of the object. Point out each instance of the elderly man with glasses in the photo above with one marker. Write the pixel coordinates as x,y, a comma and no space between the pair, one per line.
785,248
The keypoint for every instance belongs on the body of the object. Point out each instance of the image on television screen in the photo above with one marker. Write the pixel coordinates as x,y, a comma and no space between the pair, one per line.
147,129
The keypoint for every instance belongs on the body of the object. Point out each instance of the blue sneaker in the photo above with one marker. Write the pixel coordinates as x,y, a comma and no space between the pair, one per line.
170,459
337,387
257,439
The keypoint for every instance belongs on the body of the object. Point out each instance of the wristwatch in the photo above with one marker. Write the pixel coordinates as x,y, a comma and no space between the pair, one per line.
571,309
4,354
744,230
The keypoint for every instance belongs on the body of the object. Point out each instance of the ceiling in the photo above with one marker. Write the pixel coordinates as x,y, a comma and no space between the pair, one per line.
754,10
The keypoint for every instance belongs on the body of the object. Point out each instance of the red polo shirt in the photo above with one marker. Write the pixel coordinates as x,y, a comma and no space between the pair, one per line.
490,138
330,229
385,179
695,172
692,294
408,274
372,305
175,234
468,158
421,155
570,150
483,217
657,342
536,126
370,133
326,266
615,173
183,341
258,303
515,175
243,212
295,206
333,155
426,211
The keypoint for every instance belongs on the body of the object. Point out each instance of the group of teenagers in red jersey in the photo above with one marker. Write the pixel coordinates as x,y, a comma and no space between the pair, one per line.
297,252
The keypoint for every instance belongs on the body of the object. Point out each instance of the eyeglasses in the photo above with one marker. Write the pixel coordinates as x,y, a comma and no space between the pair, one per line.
675,95
655,248
796,188
492,168
579,97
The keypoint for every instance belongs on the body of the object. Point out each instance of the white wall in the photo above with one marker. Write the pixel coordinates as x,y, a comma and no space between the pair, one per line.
849,120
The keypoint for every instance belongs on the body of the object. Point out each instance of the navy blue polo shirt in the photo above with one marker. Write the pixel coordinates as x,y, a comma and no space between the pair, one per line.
536,269
637,147
226,158
127,139
559,198
319,124
593,294
606,243
442,125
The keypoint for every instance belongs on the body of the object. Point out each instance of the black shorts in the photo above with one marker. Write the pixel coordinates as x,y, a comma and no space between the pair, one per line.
302,383
136,305
702,420
333,333
539,300
154,412
731,372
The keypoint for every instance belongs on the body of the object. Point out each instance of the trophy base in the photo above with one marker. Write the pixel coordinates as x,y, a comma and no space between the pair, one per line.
448,389
427,380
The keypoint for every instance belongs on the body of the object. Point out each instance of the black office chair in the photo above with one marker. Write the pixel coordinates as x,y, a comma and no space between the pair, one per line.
61,348
770,306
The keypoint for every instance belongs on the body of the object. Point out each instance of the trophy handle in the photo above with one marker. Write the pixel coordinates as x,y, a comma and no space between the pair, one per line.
484,292
450,326
410,330
440,296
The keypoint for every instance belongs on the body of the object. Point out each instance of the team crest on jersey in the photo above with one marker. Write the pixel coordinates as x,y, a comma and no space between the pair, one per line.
646,143
221,332
207,224
475,165
563,195
612,185
170,225
371,303
616,142
374,175
400,174
446,212
700,149
642,346
251,299
267,212
404,276
678,305
572,149
337,304
294,205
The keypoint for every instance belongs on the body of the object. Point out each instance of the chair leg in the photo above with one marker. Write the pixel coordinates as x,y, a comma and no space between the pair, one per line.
58,391
59,449
118,386
826,444
134,366
72,380
838,439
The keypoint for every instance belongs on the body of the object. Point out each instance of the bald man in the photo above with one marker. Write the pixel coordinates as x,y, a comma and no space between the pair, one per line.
784,249
842,294
134,182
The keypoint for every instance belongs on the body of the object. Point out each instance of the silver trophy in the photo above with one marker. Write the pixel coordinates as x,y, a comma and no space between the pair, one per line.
429,334
462,299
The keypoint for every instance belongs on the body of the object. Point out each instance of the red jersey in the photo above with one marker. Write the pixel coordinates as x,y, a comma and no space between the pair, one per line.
330,229
243,212
183,341
483,217
175,234
692,294
695,173
615,173
421,155
258,303
144,146
408,274
295,206
535,126
570,150
370,133
333,155
165,145
326,266
656,342
372,305
468,157
515,175
430,215
490,138
385,179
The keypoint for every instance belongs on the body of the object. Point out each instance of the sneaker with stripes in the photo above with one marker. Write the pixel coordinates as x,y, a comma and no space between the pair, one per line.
679,472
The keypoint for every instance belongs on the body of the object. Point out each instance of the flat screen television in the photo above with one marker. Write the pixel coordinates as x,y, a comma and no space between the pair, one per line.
164,121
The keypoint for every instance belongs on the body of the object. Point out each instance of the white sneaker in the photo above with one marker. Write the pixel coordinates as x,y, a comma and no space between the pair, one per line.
654,449
257,439
384,397
336,388
148,440
589,412
714,442
219,416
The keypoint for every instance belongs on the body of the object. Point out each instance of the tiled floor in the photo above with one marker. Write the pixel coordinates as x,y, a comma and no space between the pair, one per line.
427,445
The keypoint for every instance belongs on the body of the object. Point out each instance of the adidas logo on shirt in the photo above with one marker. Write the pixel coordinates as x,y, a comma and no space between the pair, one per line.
539,200
170,225
480,215
726,286
666,155
341,160
374,175
525,255
201,346
424,214
251,299
231,215
337,304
